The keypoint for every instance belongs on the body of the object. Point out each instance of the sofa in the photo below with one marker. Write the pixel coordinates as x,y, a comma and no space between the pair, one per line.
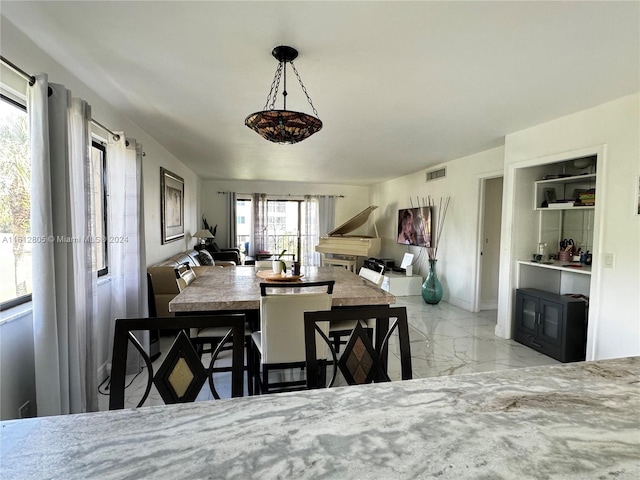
162,284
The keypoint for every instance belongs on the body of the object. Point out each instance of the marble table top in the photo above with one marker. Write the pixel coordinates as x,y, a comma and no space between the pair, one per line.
571,421
238,288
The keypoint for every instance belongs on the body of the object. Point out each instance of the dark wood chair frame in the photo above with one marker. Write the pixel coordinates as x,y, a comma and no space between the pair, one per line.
124,336
382,315
261,371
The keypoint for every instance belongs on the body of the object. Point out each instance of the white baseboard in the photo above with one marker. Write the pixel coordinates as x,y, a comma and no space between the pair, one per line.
489,305
458,302
104,371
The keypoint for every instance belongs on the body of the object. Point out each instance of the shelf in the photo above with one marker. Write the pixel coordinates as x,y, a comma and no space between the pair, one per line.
583,269
568,207
572,179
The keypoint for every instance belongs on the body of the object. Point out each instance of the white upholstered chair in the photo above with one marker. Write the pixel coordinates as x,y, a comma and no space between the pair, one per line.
280,340
371,275
262,265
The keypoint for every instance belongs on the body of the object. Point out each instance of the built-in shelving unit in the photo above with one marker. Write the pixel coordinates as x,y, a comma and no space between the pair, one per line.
555,193
563,188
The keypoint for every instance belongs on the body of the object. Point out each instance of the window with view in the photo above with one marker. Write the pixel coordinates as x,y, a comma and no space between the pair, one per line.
98,166
15,204
286,227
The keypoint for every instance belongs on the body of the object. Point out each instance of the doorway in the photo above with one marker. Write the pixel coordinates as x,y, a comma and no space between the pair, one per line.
490,226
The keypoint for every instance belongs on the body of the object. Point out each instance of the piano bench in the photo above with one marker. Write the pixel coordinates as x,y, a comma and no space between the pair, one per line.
349,264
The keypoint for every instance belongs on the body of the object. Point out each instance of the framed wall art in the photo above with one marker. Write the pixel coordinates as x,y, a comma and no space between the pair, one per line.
171,206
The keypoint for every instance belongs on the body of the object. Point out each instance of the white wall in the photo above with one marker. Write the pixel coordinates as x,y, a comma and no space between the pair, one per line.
458,247
214,207
616,126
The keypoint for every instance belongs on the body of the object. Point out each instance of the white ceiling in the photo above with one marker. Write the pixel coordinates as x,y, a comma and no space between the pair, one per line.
399,86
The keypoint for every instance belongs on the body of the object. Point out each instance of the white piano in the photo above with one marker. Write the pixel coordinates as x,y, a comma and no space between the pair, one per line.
340,249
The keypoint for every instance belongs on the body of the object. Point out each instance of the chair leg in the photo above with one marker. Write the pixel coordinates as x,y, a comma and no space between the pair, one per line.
256,371
336,342
250,365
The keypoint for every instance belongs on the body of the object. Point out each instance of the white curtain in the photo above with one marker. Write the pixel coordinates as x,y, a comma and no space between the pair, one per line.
259,218
325,220
125,229
309,232
326,214
232,239
64,283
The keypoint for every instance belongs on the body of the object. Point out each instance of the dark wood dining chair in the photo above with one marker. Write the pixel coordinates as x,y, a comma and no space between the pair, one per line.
340,329
279,343
181,375
363,360
211,336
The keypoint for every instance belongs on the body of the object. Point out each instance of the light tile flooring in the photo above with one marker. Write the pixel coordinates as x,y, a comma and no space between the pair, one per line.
445,340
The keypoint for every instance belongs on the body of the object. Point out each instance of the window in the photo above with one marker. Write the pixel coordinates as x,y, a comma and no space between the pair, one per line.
285,226
15,205
98,168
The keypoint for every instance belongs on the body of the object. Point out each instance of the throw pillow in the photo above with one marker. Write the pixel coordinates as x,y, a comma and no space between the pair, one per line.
205,258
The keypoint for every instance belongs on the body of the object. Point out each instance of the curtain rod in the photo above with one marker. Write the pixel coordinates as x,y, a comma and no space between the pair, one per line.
32,80
285,194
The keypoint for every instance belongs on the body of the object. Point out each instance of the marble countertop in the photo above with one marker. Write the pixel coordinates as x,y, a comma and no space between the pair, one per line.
571,421
239,289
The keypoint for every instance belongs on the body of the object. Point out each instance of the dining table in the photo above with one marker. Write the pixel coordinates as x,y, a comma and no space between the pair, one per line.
569,421
238,289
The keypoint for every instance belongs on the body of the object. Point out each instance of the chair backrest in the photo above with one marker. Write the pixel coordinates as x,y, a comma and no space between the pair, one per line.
184,275
362,360
181,375
372,276
262,265
282,319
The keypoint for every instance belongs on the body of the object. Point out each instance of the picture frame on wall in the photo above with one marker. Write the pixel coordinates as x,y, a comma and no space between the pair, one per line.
171,206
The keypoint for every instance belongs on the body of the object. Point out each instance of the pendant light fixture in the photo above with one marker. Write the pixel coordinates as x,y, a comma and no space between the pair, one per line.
284,126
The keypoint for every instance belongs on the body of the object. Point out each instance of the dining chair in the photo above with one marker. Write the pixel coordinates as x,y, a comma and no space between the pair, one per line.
181,375
361,361
184,275
262,265
211,335
341,329
279,343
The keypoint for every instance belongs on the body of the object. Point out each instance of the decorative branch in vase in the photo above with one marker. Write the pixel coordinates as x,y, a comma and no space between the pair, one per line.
432,288
443,207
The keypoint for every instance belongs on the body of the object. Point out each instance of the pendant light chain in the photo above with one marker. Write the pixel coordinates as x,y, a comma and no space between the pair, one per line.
304,89
273,93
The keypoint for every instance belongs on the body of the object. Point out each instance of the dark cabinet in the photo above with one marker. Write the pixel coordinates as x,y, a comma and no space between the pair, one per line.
555,325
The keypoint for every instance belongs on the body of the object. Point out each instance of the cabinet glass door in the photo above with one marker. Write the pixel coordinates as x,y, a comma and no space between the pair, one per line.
550,322
527,308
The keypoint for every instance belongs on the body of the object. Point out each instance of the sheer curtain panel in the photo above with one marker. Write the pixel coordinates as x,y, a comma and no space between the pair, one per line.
126,251
325,220
64,285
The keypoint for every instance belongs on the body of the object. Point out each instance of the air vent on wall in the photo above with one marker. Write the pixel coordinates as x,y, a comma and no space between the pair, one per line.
435,174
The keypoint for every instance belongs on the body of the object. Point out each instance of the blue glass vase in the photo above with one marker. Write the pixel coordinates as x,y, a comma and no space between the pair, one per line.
432,288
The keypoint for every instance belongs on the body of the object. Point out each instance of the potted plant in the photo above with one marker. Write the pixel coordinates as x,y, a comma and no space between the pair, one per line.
278,265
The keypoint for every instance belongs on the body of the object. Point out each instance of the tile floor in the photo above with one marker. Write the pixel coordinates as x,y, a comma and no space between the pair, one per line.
445,340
